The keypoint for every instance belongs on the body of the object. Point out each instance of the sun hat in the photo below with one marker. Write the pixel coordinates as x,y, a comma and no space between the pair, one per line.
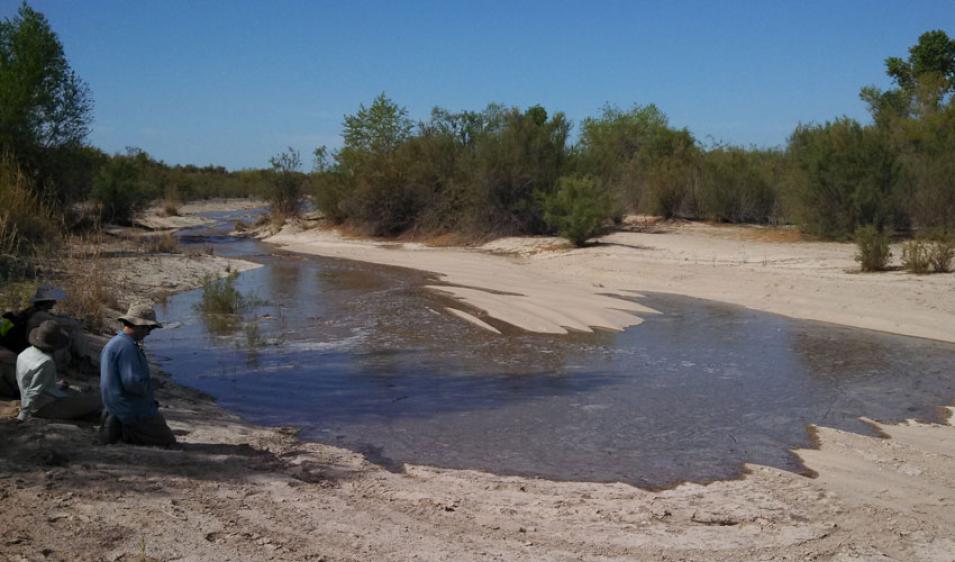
141,314
48,336
47,293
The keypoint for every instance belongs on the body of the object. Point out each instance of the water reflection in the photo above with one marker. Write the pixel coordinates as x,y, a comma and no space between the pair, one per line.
360,356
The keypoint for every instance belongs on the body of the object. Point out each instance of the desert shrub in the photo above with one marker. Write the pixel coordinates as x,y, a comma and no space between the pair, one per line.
166,243
119,190
170,207
941,252
736,185
873,248
915,256
578,208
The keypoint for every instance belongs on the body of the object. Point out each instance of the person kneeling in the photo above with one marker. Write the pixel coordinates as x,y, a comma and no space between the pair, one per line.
131,413
40,394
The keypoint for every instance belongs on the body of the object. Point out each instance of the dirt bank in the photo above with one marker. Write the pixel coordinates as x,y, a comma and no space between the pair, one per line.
240,492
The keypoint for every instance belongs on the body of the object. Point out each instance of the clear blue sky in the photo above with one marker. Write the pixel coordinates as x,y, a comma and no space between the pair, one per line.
234,82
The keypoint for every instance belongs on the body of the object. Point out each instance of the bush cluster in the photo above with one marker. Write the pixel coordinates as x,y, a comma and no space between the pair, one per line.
873,246
929,255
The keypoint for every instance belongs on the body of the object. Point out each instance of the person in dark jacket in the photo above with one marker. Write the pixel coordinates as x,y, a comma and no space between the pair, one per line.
130,411
15,327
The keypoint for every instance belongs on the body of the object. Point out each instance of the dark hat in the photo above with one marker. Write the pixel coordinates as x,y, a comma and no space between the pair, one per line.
48,336
47,293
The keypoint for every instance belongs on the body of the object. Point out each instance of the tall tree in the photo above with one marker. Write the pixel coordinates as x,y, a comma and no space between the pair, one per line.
44,106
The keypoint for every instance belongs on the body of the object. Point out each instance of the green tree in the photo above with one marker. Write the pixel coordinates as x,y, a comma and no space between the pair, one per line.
377,129
644,162
287,180
44,106
849,178
119,190
923,80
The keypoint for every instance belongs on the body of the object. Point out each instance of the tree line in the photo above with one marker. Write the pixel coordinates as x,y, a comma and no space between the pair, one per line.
500,170
504,170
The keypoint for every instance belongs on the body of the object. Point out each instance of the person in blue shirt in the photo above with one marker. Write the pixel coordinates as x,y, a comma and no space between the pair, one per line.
130,411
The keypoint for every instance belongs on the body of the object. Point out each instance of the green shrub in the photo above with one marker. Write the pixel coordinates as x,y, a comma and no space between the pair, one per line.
219,296
915,256
873,248
578,208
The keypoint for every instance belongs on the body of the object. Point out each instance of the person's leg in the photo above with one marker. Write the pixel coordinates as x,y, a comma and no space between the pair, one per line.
74,406
110,429
150,431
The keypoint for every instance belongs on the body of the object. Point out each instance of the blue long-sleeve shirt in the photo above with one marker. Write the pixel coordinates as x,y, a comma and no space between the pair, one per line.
124,380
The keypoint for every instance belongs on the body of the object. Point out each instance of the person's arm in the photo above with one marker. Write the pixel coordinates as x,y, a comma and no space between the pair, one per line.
131,375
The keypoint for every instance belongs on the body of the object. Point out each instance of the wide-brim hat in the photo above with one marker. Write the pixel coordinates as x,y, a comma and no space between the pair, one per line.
48,336
141,314
47,293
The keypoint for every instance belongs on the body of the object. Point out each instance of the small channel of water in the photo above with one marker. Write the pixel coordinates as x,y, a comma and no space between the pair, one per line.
361,357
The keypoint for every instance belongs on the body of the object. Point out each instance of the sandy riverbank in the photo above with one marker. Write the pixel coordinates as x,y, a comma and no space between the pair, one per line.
240,492
539,284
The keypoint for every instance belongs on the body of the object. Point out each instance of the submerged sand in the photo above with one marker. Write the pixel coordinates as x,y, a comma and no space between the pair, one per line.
241,492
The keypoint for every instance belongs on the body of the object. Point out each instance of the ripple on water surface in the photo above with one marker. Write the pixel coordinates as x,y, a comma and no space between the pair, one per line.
361,357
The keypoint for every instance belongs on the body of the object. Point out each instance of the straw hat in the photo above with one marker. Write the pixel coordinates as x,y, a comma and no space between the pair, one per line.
46,293
48,336
141,314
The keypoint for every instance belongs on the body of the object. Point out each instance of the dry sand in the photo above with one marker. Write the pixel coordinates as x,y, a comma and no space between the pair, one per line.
240,492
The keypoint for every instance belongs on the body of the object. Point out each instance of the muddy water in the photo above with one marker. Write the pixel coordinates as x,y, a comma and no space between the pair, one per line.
361,357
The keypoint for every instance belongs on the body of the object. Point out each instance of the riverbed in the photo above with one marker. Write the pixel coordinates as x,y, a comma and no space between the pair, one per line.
361,356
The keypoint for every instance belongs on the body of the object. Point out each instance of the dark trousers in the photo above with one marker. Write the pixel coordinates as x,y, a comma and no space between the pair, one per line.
148,431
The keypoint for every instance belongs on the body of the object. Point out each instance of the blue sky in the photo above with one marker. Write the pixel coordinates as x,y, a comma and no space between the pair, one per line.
232,83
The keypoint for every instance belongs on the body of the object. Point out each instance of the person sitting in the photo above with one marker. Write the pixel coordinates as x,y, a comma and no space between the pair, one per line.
41,395
15,327
131,413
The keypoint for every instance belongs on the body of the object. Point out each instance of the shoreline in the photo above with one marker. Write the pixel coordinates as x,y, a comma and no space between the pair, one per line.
236,491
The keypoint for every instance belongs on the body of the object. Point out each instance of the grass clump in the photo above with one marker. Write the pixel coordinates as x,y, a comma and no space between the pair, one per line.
88,297
873,248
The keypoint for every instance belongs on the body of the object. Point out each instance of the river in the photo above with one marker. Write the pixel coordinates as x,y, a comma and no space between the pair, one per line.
362,357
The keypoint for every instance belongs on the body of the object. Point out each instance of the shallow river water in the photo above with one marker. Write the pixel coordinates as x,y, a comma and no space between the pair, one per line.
360,356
